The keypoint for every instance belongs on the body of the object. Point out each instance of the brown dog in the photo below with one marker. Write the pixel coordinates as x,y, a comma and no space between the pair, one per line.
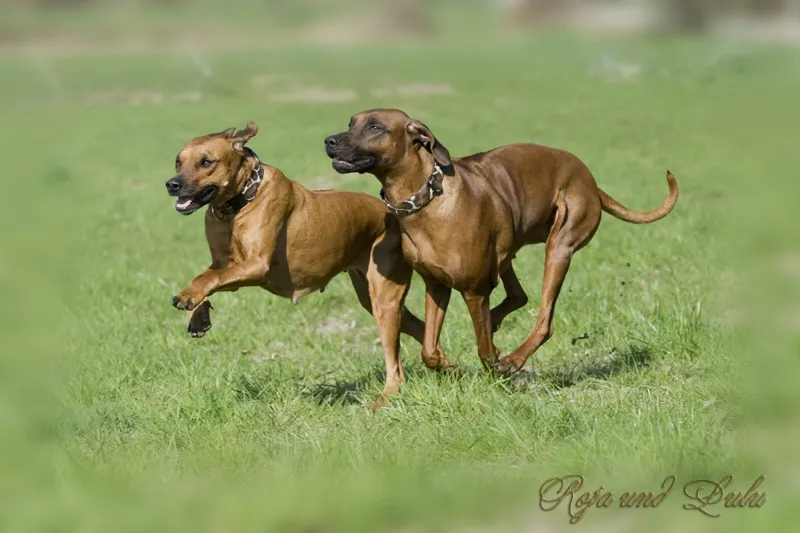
463,220
267,231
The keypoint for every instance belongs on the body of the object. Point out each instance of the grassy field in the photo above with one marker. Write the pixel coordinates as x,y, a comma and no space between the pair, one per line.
261,425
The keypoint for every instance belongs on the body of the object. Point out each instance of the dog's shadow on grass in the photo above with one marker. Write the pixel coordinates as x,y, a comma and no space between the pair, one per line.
355,391
343,392
634,358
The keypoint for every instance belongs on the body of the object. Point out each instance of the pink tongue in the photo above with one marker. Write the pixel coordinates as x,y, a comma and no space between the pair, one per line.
185,204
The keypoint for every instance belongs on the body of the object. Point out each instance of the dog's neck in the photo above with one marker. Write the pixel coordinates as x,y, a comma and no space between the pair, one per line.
407,177
239,179
249,162
243,187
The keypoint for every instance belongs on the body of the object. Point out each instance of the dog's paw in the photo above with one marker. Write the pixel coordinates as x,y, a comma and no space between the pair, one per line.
200,320
185,301
506,367
381,401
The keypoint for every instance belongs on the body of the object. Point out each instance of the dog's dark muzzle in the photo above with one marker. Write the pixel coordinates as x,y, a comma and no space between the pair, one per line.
334,144
189,198
175,185
345,159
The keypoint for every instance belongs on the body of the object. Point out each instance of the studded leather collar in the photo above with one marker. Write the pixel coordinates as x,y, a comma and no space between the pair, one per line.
235,204
429,190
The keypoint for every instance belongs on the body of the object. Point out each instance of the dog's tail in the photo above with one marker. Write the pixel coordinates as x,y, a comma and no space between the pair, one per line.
615,208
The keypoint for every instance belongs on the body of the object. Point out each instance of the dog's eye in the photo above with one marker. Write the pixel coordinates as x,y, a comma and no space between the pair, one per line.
205,162
177,163
375,127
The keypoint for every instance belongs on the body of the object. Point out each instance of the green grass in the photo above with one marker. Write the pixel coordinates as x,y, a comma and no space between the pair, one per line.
261,424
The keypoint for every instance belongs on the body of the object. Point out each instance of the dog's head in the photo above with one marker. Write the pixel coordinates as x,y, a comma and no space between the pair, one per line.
378,141
208,168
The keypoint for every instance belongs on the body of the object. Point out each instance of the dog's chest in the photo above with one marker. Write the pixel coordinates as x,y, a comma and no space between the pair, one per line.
460,257
427,258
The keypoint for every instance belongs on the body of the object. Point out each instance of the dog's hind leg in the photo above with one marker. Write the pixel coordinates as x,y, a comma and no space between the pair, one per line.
573,227
569,232
515,298
556,265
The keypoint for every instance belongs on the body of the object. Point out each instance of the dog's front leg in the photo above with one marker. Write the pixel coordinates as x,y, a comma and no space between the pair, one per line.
200,319
250,272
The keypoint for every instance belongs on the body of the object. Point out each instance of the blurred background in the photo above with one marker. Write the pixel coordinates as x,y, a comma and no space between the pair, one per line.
97,95
164,23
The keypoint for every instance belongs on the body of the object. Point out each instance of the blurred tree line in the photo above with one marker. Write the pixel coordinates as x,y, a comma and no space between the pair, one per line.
698,15
687,15
691,15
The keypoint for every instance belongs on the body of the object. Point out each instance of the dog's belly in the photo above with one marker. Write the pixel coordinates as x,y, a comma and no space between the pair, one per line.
295,284
291,293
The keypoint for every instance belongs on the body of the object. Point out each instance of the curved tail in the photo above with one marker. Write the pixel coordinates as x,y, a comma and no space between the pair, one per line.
618,210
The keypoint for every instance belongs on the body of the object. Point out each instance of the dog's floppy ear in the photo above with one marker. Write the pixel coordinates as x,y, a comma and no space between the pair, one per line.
240,138
420,132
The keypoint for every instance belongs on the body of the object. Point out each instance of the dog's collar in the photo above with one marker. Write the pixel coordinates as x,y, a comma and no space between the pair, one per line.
235,204
429,190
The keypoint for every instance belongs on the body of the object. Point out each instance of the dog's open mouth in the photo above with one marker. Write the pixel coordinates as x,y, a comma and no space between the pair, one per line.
359,165
187,205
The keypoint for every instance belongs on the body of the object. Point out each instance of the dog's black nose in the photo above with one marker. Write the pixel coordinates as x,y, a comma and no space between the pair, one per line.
331,141
174,184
